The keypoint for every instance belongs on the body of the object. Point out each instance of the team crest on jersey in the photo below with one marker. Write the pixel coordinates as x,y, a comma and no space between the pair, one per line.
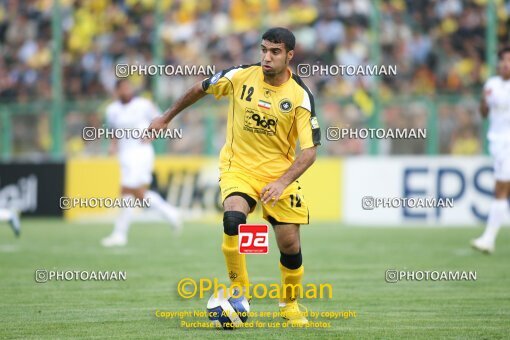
215,78
285,105
267,92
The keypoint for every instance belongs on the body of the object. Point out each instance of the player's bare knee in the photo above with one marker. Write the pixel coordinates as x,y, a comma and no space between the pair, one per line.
129,193
501,190
232,220
236,203
291,249
289,245
138,193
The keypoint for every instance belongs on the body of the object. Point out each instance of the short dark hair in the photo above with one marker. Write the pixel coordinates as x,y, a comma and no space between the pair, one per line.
280,35
119,82
505,49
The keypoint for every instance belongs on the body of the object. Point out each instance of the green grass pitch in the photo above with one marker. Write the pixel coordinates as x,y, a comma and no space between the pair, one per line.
353,260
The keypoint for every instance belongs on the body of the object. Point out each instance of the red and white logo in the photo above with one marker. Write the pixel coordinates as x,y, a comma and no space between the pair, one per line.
253,239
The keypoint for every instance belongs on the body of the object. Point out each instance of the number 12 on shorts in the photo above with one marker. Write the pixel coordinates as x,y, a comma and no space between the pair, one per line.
297,203
253,239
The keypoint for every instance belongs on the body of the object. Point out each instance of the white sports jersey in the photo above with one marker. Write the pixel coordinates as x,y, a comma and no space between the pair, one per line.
136,114
497,94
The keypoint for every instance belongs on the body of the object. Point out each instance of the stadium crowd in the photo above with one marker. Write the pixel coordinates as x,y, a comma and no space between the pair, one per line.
437,45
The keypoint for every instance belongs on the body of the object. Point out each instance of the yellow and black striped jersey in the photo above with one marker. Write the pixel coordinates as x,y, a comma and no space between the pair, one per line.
264,121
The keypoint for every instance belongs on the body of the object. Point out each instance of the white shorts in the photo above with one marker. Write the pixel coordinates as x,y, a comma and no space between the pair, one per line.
500,151
136,169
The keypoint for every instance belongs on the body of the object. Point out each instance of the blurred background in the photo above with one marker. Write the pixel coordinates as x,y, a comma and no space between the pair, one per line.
57,70
58,59
57,73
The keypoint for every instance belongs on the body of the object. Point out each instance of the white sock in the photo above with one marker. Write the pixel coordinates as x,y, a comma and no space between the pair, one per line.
157,202
496,214
5,215
123,221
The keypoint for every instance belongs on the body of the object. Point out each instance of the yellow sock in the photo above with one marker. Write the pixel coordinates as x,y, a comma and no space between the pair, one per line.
236,263
291,277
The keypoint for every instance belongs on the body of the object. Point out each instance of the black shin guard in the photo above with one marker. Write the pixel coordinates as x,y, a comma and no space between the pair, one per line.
231,222
291,261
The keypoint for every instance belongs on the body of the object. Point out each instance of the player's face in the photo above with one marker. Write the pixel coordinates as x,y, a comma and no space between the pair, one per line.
504,65
275,59
124,91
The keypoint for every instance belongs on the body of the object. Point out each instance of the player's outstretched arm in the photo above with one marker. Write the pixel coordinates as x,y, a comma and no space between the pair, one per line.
195,93
274,190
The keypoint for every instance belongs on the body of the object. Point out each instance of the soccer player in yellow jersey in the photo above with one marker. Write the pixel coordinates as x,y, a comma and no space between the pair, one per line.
270,109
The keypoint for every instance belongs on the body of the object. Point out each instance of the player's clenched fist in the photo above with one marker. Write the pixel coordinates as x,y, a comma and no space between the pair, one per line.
272,191
156,125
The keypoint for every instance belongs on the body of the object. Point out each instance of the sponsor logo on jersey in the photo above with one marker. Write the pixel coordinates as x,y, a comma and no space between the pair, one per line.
260,122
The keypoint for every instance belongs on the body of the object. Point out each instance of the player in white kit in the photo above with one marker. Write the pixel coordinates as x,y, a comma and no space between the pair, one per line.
12,217
136,158
495,105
